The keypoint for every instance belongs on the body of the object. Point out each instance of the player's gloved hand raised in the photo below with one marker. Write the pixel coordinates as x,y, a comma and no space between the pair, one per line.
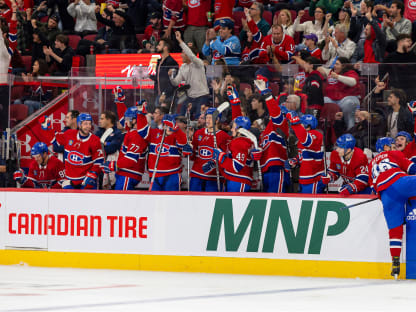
256,154
109,166
208,166
169,121
412,107
90,180
187,150
293,118
346,189
325,179
142,107
262,85
45,122
218,155
118,93
233,95
19,176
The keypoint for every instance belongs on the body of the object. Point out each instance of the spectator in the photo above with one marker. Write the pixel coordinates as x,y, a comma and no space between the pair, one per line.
39,41
34,100
192,73
223,9
343,88
153,31
24,30
278,44
123,38
256,12
101,41
225,46
344,17
197,22
284,19
258,110
67,21
312,27
60,56
83,11
396,25
166,62
359,21
398,118
158,117
330,6
172,17
137,11
292,103
311,41
48,30
340,46
371,50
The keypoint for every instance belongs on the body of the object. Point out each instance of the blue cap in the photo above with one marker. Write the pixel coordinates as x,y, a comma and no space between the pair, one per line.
312,37
226,22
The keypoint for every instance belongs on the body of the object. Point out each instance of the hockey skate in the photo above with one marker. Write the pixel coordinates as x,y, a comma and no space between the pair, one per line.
395,268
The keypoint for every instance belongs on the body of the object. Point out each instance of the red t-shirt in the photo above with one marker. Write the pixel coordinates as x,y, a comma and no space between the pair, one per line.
197,12
337,90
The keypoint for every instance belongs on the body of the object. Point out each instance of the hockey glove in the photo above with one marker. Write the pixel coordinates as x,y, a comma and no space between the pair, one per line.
293,118
187,150
256,154
45,122
412,107
233,95
347,189
118,93
326,179
218,155
290,163
142,107
208,166
19,176
262,85
169,121
90,180
109,166
284,110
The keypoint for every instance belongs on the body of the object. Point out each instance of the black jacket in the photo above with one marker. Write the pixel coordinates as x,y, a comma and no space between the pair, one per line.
313,89
357,25
161,79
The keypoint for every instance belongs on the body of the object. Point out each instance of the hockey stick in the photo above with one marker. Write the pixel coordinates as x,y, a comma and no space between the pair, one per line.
253,139
182,88
104,137
188,124
324,148
215,115
358,204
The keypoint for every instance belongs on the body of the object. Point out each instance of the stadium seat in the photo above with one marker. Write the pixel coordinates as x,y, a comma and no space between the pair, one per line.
18,113
140,38
27,61
267,15
237,16
328,111
306,17
90,37
73,41
17,92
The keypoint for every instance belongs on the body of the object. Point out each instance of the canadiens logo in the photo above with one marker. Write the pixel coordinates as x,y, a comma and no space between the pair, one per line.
205,153
194,3
165,150
75,158
411,4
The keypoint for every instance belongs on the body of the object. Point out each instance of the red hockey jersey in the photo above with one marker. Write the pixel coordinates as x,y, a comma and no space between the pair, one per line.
223,9
386,168
81,155
203,143
354,171
311,155
337,90
170,156
132,159
283,50
197,12
46,176
173,10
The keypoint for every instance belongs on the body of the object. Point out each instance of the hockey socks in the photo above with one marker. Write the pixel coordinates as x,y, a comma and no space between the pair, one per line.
396,235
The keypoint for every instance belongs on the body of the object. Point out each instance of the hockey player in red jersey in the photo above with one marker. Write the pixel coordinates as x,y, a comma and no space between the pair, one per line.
130,165
311,155
390,178
273,143
83,155
351,164
203,173
168,171
45,171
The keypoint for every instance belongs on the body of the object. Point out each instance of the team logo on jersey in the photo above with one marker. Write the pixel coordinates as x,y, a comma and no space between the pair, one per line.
75,158
205,153
165,149
70,142
194,3
411,5
338,166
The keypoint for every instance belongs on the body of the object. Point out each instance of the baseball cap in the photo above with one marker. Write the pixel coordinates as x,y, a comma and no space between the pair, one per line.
312,37
155,15
121,13
55,17
227,23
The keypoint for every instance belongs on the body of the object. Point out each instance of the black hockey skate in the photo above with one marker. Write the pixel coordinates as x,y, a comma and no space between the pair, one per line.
395,268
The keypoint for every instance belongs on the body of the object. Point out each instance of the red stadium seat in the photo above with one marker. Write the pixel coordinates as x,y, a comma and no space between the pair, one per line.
17,91
18,113
306,17
267,15
73,41
328,111
27,61
140,38
90,37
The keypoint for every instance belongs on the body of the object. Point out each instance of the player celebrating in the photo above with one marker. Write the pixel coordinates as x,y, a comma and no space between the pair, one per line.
45,171
203,173
311,155
168,171
83,154
351,164
130,165
390,179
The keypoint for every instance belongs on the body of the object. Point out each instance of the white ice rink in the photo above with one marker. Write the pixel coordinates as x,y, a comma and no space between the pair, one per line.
25,288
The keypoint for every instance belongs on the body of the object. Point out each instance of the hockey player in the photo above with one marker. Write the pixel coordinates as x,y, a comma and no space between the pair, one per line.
311,155
273,143
203,173
83,154
45,171
168,171
351,164
403,138
390,178
130,165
